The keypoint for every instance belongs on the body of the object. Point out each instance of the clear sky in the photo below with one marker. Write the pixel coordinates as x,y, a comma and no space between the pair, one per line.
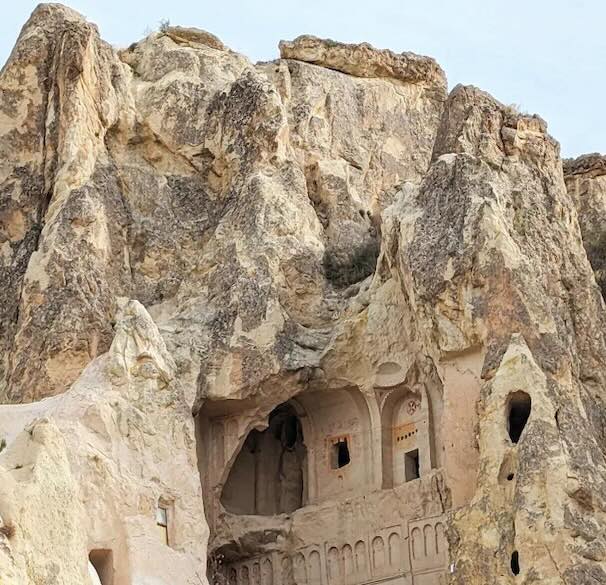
545,56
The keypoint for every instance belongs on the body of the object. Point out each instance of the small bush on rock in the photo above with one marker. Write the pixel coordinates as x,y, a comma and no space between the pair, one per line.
346,267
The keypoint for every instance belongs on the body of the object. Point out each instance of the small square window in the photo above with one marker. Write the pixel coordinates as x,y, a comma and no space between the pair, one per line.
340,454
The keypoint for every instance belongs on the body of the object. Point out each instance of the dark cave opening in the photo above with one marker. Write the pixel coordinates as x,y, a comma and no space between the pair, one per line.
515,563
267,476
518,407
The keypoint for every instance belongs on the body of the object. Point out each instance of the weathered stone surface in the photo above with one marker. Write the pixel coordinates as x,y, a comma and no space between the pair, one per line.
508,273
364,327
365,61
65,222
586,183
86,471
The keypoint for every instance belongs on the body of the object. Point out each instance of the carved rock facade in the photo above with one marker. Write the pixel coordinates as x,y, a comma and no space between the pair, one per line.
317,313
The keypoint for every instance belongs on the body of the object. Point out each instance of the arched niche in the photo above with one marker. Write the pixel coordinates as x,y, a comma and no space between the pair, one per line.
338,430
407,435
337,451
268,474
101,567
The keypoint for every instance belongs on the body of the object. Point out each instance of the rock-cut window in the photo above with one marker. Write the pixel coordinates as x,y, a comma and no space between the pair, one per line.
340,453
162,522
411,465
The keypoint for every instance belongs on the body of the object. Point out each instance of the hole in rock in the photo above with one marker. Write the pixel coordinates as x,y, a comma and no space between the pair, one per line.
411,465
515,563
508,468
340,454
101,567
267,475
518,411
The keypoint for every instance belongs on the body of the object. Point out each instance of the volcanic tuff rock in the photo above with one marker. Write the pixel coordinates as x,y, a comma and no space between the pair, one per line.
376,299
586,182
87,470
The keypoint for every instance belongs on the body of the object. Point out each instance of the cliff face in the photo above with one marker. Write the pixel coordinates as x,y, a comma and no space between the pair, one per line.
346,321
586,183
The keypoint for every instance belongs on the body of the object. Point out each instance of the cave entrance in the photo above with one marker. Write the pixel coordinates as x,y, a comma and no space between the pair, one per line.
518,411
267,476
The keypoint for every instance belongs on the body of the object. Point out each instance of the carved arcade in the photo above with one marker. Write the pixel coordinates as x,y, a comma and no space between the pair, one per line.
407,555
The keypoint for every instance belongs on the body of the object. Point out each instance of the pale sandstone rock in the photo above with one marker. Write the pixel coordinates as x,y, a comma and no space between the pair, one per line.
89,468
66,243
507,264
586,183
364,60
344,275
181,34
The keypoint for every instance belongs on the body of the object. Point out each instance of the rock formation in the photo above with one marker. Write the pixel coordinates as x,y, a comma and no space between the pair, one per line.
586,182
318,314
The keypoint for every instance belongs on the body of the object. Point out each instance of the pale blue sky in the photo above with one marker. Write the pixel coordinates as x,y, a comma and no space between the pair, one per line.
546,56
